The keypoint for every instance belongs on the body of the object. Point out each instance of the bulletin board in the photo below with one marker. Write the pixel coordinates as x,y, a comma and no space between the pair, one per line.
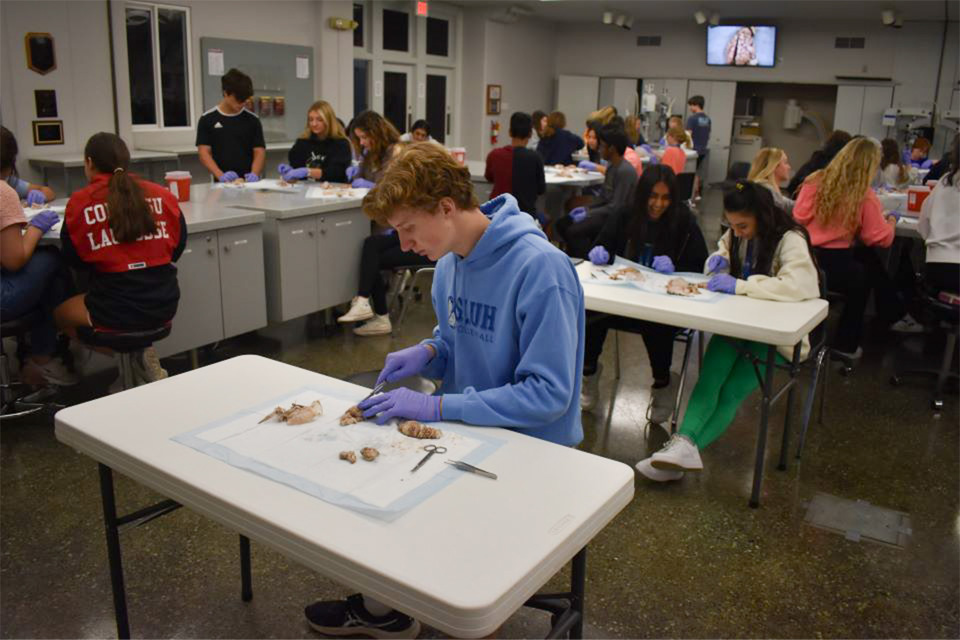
282,75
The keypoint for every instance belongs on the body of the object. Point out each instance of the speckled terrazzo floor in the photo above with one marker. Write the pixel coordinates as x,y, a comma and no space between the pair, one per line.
686,559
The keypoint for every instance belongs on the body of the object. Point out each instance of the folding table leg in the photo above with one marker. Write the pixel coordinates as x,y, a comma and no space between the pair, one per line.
782,465
113,551
578,580
683,379
246,586
764,423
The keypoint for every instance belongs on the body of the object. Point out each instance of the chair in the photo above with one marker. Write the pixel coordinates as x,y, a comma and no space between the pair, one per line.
819,353
17,400
685,186
948,317
409,278
129,346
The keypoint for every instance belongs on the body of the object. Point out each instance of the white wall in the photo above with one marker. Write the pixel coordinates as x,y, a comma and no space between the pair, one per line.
81,79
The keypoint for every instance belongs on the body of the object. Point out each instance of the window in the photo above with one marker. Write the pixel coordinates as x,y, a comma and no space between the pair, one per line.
158,58
358,18
438,37
396,30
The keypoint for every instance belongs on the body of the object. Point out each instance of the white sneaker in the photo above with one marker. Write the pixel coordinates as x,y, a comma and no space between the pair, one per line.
679,454
647,470
590,390
907,324
54,372
376,326
661,400
846,356
359,310
149,370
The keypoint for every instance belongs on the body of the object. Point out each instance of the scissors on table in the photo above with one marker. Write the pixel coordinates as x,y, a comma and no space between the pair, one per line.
430,449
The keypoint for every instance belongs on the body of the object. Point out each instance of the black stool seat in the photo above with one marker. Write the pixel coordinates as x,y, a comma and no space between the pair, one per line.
122,341
21,324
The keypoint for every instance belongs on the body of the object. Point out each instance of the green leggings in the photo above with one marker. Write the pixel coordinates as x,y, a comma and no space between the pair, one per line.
726,379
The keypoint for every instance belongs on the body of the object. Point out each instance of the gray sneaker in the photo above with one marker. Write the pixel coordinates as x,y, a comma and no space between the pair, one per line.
590,390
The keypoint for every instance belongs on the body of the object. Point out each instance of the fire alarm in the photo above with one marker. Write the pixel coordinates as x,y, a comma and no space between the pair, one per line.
343,24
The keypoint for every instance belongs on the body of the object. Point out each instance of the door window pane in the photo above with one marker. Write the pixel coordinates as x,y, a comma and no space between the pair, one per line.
358,18
172,32
396,30
143,106
437,106
361,81
395,99
438,37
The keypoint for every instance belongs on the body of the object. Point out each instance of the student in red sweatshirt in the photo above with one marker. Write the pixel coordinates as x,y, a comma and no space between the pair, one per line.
515,169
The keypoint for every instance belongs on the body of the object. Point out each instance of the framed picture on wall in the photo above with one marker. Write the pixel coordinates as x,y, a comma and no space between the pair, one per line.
46,101
47,132
40,54
493,99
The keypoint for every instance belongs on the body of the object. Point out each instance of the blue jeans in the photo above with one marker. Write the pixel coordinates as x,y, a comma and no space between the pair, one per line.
43,283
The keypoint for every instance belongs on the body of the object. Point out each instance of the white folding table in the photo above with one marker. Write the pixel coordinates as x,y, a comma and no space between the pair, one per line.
737,317
462,561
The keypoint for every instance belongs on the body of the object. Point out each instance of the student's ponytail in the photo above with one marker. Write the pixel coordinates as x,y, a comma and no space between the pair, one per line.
129,215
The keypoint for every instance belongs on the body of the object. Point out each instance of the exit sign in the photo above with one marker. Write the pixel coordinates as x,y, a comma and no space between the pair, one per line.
423,8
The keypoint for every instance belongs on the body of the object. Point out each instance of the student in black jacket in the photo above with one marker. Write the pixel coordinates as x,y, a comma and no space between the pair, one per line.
819,160
659,231
322,151
556,144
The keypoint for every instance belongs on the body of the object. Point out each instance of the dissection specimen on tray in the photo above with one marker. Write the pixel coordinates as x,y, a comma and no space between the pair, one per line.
681,287
369,454
349,456
627,273
296,414
353,415
416,429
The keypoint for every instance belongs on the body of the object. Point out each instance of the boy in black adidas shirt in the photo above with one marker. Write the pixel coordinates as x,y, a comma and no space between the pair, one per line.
230,138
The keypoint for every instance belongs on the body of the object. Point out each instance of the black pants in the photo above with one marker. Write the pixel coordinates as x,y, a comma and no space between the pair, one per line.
658,338
383,252
854,273
943,276
579,236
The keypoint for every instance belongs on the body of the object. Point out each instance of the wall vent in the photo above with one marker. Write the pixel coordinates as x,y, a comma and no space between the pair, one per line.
648,41
849,42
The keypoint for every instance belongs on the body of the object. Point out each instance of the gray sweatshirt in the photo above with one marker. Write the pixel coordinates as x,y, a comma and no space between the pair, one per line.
617,194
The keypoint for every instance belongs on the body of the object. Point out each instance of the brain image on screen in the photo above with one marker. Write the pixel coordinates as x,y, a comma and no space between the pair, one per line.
741,46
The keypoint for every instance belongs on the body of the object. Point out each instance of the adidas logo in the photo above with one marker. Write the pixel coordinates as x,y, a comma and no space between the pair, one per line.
218,126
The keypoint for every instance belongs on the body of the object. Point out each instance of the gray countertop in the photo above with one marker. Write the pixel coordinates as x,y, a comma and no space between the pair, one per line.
276,205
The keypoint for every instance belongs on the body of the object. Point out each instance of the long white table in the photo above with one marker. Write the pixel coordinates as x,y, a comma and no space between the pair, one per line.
463,561
739,317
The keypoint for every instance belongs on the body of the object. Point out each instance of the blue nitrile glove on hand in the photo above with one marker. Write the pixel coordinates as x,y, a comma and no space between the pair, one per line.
229,176
360,183
717,263
599,255
404,363
352,171
401,403
35,196
894,214
282,168
251,177
45,220
296,174
586,164
723,283
579,214
663,264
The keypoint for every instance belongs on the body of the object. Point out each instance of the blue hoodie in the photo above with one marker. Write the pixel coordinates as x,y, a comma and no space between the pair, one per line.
509,337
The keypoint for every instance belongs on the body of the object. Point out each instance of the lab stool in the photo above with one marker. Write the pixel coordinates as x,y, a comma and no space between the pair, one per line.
948,317
17,401
128,345
409,279
415,383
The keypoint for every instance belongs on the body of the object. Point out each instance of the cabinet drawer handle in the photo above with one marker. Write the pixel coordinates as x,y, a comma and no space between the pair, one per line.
323,232
209,238
209,252
226,249
310,233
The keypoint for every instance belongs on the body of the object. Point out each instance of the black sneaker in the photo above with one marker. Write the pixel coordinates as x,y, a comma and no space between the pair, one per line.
350,618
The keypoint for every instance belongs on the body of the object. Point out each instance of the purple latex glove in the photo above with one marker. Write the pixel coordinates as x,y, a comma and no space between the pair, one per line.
35,196
723,283
402,403
282,168
894,214
716,264
579,214
404,363
360,183
599,255
352,171
663,264
251,177
296,174
589,166
45,220
229,176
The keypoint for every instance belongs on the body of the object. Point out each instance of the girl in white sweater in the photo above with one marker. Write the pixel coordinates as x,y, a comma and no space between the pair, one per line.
765,254
939,225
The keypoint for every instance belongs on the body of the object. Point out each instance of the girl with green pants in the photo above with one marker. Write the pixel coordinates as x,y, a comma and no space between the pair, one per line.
765,254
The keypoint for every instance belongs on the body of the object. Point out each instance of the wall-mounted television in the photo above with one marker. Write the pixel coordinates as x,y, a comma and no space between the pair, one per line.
741,46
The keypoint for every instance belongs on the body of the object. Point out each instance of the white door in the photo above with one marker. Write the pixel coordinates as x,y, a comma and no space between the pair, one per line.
438,103
876,100
397,83
720,110
849,110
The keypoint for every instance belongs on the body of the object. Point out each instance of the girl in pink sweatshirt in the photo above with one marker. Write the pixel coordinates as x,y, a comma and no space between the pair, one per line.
839,209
